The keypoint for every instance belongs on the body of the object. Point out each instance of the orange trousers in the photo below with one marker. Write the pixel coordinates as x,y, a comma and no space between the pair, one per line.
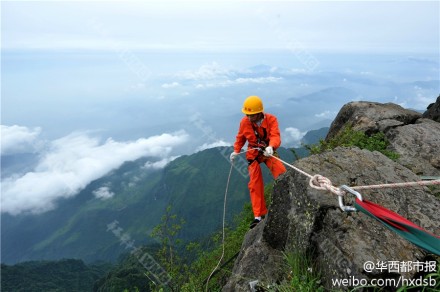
256,184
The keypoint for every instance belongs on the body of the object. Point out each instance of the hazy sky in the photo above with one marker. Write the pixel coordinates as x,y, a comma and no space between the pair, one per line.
221,25
86,86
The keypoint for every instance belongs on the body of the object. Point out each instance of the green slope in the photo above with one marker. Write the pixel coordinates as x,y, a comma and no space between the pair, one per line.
79,227
63,275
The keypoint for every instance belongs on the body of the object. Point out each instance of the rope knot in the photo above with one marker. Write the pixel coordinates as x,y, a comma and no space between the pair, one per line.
322,183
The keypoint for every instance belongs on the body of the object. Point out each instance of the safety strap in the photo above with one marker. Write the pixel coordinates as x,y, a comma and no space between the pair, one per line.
391,220
400,225
260,139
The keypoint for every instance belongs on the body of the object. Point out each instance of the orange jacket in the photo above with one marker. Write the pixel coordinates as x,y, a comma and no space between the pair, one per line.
246,133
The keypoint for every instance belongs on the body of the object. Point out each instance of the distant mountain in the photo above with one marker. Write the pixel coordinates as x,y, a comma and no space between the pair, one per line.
313,137
79,227
333,94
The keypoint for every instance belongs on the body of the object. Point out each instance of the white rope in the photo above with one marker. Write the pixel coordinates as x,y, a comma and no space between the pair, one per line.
291,166
320,182
223,229
399,185
224,215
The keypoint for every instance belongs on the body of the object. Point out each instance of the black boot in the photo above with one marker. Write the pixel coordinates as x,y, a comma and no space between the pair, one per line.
254,223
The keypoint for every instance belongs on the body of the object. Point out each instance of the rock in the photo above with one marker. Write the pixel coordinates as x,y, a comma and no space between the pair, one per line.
418,146
415,139
257,262
264,244
309,221
338,243
433,111
371,117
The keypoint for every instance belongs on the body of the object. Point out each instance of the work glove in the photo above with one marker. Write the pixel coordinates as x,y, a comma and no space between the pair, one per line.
268,151
233,155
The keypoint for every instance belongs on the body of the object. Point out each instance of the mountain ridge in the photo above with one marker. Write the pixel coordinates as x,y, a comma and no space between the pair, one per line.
77,228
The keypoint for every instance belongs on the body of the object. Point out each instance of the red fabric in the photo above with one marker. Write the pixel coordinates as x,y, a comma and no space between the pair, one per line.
246,133
256,185
389,216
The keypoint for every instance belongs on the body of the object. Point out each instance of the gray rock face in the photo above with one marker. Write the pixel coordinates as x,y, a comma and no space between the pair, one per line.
418,145
310,221
433,111
371,117
415,139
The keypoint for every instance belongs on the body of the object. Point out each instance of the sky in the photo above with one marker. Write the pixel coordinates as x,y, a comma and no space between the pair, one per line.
220,25
88,85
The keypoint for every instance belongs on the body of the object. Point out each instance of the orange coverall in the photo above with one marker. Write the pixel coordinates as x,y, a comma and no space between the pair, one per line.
269,133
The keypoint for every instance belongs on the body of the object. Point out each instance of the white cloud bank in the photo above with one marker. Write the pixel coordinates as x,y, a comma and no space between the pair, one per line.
17,139
292,137
218,143
71,163
103,193
159,164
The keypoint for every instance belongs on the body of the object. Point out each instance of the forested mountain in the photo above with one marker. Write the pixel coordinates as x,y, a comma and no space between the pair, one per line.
193,185
91,229
64,275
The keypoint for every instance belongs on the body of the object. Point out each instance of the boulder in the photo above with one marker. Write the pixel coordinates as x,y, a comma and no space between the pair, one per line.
308,220
415,139
418,146
371,117
433,111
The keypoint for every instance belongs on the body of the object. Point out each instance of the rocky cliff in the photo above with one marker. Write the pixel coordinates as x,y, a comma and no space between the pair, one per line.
309,221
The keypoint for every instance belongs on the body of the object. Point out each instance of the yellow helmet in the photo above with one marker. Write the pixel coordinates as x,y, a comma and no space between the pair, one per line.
252,105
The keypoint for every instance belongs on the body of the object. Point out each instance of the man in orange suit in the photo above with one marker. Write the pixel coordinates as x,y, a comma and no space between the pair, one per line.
261,132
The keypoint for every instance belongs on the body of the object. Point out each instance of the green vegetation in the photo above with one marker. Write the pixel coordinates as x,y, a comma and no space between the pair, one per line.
64,275
348,137
203,266
190,270
301,275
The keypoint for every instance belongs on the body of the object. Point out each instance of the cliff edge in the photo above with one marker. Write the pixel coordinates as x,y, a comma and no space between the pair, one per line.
310,221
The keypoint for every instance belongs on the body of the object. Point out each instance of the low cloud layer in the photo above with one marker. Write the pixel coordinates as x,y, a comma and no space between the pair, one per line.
218,143
103,193
292,137
70,163
16,139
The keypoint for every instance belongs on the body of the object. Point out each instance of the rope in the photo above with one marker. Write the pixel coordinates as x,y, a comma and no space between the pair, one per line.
223,229
295,168
398,185
320,182
224,215
403,227
316,181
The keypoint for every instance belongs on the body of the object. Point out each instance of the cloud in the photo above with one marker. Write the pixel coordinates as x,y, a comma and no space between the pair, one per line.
170,85
159,164
103,193
293,136
218,143
259,80
205,72
326,114
17,139
71,163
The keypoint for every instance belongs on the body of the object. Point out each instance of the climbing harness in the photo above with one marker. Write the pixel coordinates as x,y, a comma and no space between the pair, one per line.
393,221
